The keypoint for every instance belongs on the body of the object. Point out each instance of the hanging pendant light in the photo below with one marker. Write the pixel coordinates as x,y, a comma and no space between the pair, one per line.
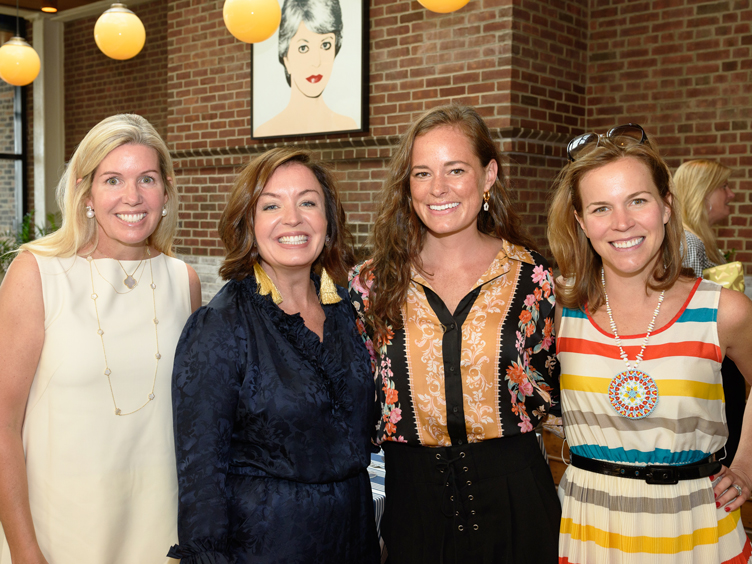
443,6
252,21
49,6
19,63
119,33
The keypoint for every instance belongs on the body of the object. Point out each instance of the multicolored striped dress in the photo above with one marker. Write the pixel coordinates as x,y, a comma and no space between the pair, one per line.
607,519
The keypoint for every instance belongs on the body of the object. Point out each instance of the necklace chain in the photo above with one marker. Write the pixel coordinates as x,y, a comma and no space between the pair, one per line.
611,321
131,276
100,332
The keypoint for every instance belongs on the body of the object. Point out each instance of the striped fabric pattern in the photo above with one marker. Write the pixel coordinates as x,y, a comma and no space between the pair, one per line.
617,520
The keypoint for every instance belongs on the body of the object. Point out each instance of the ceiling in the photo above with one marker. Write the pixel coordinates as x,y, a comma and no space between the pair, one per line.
36,5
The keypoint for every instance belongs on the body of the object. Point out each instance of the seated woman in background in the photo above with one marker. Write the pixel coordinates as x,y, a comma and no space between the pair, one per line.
640,346
272,388
701,186
89,320
460,309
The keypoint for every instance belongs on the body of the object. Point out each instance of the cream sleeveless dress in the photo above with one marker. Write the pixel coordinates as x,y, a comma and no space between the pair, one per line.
103,489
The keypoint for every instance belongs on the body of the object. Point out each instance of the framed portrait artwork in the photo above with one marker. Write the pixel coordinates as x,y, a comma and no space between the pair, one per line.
311,76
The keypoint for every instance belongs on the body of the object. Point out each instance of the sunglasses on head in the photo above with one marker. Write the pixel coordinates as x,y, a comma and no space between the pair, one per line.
621,136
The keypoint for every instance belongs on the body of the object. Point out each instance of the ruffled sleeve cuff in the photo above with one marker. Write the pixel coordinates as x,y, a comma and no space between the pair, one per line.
207,551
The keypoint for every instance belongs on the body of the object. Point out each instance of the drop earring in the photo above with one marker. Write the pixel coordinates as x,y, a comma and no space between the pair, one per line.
164,211
90,212
486,197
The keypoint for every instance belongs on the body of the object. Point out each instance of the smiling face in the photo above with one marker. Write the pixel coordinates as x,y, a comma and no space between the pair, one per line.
290,220
717,204
309,60
447,181
127,195
623,216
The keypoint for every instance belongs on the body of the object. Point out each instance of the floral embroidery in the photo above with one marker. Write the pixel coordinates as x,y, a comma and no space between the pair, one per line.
507,342
522,377
381,364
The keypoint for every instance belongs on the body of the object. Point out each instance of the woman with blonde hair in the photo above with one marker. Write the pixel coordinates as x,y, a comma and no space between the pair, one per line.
89,320
702,189
459,308
272,387
701,186
640,345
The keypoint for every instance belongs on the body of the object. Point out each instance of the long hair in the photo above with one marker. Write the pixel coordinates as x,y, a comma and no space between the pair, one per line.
578,262
77,231
319,16
399,234
236,226
694,181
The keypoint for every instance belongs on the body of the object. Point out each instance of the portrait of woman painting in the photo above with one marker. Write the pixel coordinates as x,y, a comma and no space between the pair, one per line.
310,76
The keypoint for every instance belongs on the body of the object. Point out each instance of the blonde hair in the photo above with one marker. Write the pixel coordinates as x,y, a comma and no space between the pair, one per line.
578,262
77,231
694,181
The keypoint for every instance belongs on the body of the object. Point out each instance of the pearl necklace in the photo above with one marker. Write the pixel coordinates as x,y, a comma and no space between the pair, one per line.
100,332
632,393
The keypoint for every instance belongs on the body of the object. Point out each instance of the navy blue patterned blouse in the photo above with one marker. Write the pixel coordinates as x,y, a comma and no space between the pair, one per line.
272,433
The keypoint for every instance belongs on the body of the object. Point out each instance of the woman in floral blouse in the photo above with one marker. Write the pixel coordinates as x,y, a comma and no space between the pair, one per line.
458,311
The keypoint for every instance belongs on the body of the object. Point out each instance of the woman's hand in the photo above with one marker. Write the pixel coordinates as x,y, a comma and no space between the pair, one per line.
733,488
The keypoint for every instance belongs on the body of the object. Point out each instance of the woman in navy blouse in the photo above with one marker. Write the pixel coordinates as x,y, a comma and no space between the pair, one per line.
272,387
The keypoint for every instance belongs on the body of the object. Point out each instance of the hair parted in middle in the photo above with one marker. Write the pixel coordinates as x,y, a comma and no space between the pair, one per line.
694,181
236,223
319,16
578,262
398,233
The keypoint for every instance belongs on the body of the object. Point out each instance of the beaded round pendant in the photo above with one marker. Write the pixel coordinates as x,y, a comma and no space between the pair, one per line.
633,394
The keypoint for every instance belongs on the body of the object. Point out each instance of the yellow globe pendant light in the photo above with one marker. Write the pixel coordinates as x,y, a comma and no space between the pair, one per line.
252,21
443,6
119,33
19,63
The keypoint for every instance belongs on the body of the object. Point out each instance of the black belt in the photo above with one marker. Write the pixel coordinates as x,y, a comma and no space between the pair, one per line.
652,474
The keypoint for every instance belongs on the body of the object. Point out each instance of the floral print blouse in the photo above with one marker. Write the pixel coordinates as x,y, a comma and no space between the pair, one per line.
487,371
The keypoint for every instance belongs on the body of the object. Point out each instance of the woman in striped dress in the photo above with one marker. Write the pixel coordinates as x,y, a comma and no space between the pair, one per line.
641,345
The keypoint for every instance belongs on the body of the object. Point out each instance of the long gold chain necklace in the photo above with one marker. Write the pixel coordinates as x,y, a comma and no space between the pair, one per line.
100,332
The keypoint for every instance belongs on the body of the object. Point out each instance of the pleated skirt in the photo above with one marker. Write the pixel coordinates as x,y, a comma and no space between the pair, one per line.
612,520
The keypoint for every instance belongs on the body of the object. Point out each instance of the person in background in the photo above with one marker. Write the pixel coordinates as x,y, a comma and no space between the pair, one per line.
702,188
459,309
640,345
272,386
89,320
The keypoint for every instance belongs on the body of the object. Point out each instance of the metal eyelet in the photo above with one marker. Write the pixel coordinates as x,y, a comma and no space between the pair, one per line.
457,513
469,483
438,457
464,468
461,528
470,497
451,498
462,455
475,527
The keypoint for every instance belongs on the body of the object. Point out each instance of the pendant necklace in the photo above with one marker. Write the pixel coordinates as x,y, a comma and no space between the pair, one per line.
633,393
129,281
100,332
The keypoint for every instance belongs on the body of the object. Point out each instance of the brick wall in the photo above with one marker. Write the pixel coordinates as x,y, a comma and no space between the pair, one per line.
683,70
540,71
97,86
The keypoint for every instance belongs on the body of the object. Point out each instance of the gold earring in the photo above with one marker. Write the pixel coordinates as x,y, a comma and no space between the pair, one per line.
328,292
265,284
486,197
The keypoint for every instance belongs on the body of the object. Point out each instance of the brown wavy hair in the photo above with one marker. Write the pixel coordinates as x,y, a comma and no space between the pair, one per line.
398,233
236,223
578,262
